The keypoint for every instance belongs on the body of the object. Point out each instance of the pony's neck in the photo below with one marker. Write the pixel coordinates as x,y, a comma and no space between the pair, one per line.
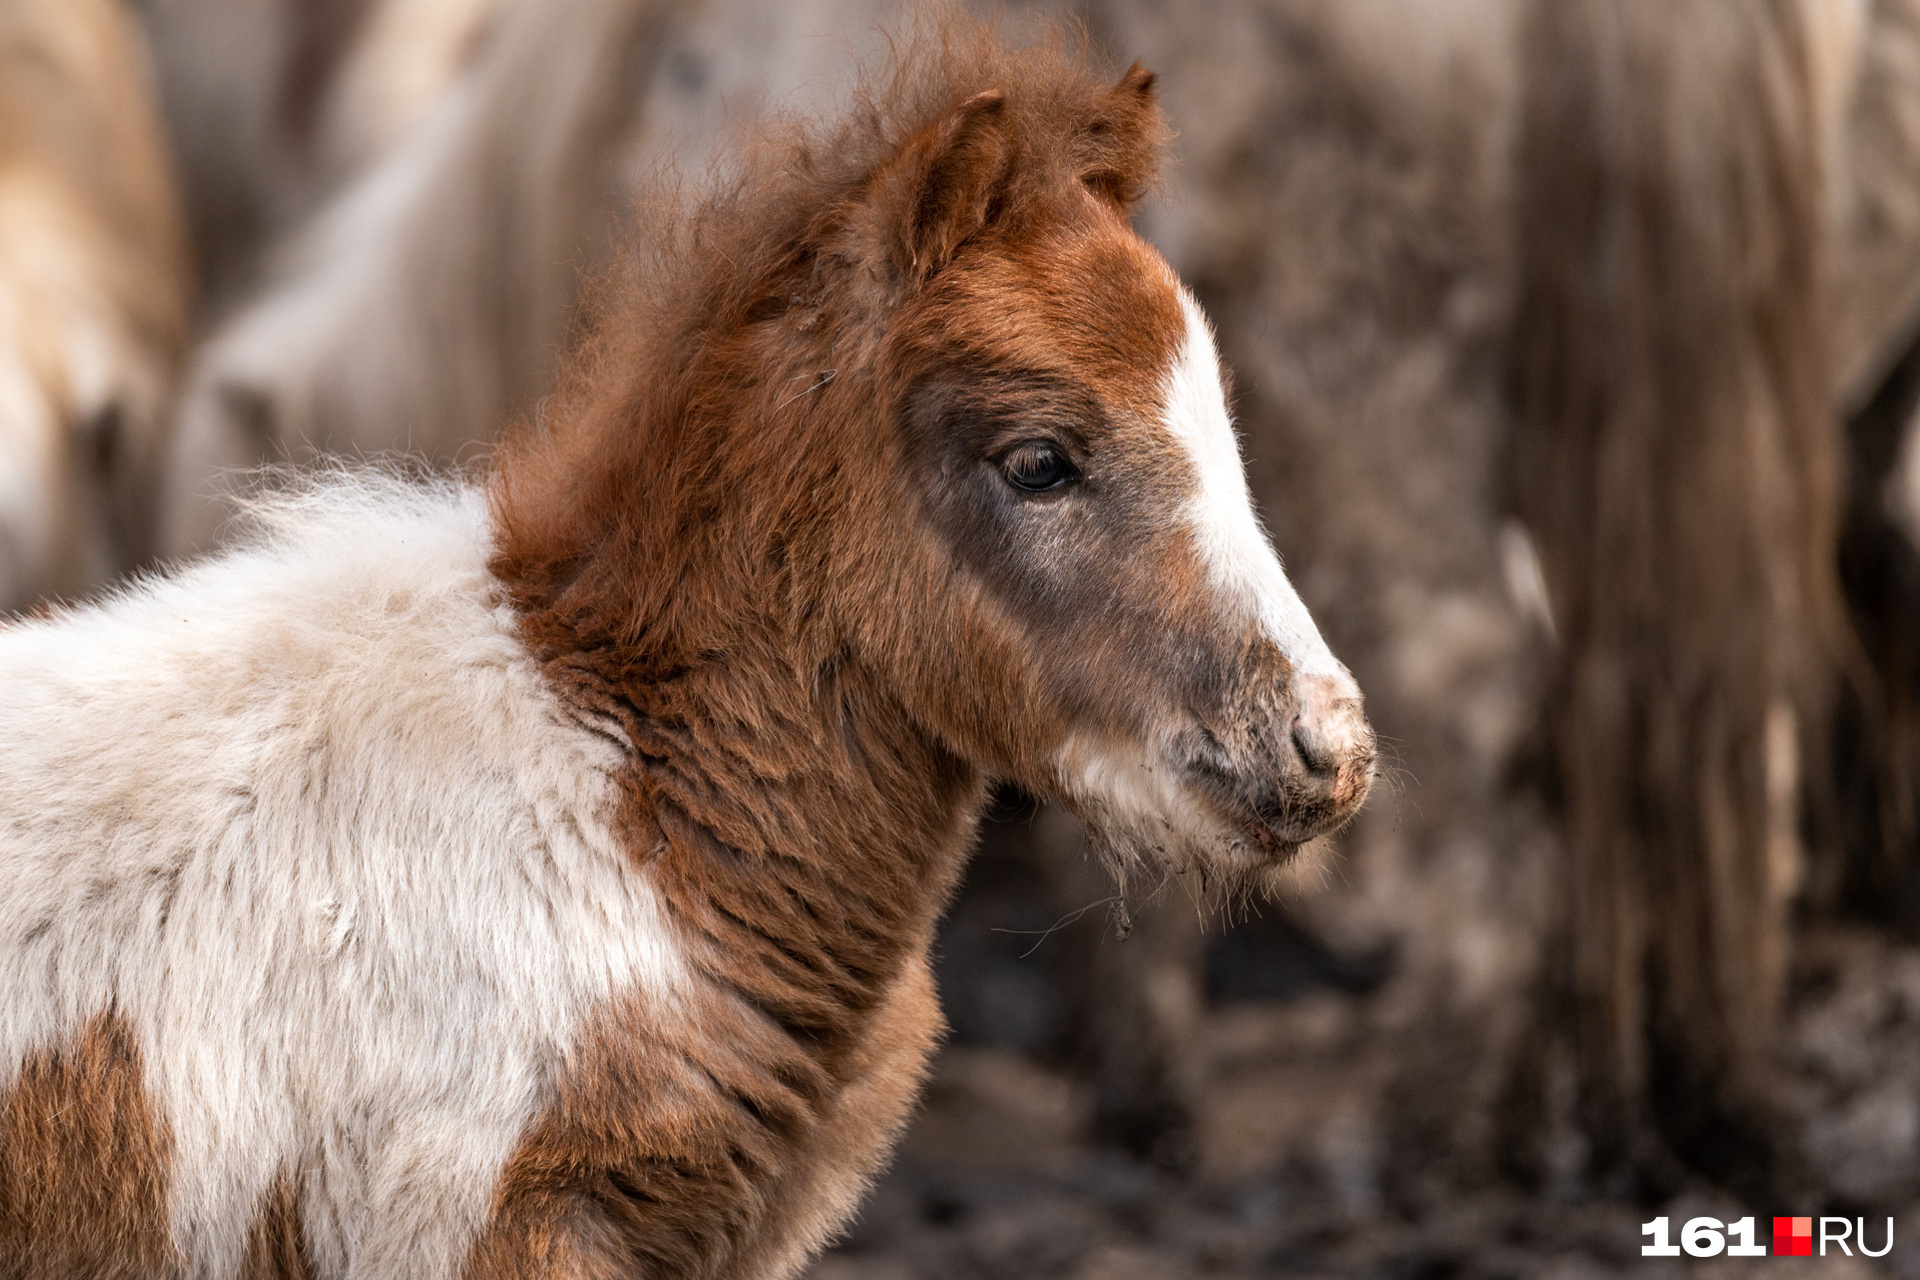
808,808
803,828
673,559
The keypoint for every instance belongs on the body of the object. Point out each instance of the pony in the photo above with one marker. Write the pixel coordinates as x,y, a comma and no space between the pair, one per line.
534,873
1346,209
94,297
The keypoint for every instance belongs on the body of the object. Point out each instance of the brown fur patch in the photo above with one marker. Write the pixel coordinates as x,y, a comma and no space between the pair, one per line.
83,1164
702,1147
274,1247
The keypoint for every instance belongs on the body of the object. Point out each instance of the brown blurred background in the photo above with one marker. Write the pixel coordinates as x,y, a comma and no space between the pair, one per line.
1577,359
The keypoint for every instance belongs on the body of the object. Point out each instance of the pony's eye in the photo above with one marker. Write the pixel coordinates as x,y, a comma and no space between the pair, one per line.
1036,467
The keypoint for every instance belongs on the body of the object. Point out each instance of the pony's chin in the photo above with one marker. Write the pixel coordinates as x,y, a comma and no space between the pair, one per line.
1217,857
1249,861
1244,849
1266,841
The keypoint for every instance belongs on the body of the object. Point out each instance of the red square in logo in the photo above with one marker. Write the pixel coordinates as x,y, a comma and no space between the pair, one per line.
1793,1237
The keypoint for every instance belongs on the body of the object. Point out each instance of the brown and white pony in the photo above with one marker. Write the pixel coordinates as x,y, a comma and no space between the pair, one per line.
93,296
536,876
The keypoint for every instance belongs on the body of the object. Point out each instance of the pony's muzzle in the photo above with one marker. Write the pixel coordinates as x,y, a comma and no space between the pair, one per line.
1295,762
1329,769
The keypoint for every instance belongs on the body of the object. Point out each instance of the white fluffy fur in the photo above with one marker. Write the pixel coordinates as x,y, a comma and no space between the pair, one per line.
308,817
1138,809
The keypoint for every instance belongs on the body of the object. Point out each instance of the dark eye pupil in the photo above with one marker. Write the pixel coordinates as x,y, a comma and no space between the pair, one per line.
1037,467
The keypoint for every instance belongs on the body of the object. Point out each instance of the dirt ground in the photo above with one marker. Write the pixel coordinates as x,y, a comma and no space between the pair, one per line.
997,1178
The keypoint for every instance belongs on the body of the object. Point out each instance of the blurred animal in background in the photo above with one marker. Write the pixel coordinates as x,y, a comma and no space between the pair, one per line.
1874,811
275,105
94,297
538,874
448,172
1678,457
418,288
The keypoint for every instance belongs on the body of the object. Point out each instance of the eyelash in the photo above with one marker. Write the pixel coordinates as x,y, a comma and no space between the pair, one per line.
1038,466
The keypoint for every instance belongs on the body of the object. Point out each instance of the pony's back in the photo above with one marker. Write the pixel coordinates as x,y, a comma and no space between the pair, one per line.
246,807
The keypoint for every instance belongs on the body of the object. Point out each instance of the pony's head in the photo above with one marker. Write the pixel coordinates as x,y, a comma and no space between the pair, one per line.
1073,537
936,408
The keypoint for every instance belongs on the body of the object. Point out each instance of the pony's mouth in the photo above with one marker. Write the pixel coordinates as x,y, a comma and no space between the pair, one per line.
1196,803
1262,835
1268,838
1270,817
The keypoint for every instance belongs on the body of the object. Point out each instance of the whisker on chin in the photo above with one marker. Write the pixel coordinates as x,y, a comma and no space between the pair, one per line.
1065,920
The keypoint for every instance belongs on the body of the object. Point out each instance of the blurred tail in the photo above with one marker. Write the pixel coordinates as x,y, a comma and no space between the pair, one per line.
1677,461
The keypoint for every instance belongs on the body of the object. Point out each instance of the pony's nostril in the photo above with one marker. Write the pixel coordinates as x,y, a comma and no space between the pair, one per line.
1320,756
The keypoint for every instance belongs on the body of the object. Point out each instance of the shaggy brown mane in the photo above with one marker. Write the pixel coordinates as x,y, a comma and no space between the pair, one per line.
778,240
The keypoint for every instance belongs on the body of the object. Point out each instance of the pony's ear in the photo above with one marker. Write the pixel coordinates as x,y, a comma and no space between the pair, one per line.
1118,150
939,190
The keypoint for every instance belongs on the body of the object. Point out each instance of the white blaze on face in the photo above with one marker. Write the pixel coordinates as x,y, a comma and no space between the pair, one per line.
1240,561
